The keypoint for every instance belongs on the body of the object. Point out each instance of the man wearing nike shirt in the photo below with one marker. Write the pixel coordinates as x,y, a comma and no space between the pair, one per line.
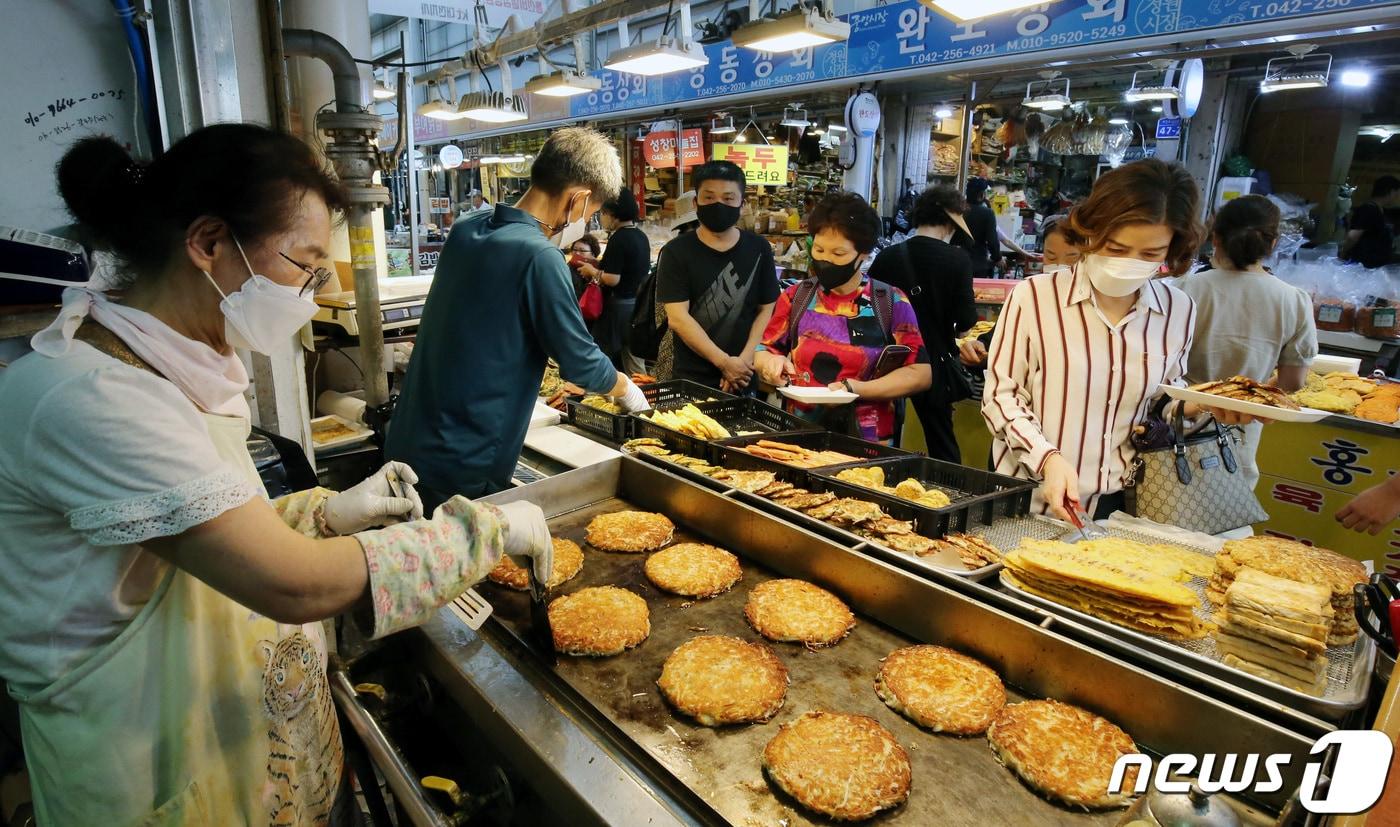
718,285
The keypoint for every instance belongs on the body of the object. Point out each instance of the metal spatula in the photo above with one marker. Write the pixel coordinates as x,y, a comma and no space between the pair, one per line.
471,608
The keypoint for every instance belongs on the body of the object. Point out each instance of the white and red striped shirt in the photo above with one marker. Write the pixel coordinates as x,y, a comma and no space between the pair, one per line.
1059,376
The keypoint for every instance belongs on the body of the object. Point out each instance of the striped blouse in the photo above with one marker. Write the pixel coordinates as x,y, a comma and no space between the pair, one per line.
1059,376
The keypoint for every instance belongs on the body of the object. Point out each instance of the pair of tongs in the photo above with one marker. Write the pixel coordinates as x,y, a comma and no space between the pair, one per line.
540,631
1084,527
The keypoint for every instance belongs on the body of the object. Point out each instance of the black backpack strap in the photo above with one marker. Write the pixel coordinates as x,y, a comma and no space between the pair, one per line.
801,300
883,300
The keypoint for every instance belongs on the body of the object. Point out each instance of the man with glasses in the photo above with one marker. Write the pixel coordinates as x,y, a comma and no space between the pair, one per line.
719,286
502,302
316,277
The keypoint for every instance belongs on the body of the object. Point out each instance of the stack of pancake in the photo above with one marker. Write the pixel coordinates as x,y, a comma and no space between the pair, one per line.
1248,390
1295,561
1276,629
1112,578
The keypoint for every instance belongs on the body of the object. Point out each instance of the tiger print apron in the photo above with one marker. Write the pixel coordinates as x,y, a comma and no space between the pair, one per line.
199,713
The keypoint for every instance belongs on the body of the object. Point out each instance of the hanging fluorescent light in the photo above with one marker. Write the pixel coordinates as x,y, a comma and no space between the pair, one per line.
439,111
382,92
1049,98
663,57
1119,119
1157,110
1356,78
795,116
722,124
564,83
741,139
836,127
965,11
1384,132
1285,73
492,107
797,29
1139,91
943,112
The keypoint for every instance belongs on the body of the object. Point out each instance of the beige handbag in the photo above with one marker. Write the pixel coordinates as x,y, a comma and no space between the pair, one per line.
1194,483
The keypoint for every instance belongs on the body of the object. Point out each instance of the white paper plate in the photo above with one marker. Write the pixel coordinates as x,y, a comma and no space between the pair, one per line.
817,396
359,433
1241,406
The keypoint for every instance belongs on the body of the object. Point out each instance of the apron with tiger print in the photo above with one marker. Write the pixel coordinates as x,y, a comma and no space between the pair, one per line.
214,713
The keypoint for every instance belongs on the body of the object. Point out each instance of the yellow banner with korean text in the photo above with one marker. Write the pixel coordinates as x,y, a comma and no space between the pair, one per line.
765,164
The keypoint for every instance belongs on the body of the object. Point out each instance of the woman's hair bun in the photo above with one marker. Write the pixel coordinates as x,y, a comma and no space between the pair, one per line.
933,205
97,179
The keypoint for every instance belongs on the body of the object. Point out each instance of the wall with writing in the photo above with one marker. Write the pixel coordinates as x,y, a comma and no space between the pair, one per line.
69,76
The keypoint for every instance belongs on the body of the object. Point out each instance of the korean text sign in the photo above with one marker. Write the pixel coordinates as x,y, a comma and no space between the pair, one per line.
761,163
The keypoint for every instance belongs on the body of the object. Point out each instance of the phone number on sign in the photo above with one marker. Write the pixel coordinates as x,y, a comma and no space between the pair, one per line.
1287,7
945,55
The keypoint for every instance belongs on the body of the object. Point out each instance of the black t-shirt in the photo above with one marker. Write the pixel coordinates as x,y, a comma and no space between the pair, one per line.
1373,249
940,286
725,290
986,249
628,256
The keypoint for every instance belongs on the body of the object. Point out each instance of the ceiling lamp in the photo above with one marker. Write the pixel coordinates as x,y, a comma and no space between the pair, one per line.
741,139
1287,73
1119,118
663,57
439,110
1356,78
1384,132
722,124
943,112
492,107
1049,98
564,83
382,92
836,127
1160,91
801,28
965,11
795,116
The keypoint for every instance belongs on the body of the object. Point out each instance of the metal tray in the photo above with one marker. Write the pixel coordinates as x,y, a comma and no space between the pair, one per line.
1348,671
956,781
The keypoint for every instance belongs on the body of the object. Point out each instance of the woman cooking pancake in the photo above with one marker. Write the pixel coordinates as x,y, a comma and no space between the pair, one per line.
159,621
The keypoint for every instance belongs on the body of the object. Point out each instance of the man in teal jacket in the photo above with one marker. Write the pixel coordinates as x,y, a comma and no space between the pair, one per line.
502,303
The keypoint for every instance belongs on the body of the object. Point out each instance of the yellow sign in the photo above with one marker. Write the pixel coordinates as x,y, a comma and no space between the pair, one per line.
761,163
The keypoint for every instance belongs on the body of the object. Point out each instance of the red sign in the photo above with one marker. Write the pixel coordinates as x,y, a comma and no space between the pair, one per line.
659,149
639,177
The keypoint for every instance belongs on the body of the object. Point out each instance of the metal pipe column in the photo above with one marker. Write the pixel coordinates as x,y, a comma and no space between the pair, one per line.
965,156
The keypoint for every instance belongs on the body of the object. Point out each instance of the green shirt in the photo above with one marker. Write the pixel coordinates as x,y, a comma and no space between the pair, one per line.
501,304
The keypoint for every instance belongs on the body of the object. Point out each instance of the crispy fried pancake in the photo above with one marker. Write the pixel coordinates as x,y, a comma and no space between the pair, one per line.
724,680
568,561
632,531
940,689
1062,751
693,570
600,620
797,611
844,766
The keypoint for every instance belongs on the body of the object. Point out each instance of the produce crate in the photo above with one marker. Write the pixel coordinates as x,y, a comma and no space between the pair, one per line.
978,497
619,427
731,454
735,414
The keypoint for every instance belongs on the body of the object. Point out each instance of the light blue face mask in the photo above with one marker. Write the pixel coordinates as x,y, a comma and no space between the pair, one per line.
262,315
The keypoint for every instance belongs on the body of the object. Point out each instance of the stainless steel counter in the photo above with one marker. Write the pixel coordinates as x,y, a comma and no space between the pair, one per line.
599,767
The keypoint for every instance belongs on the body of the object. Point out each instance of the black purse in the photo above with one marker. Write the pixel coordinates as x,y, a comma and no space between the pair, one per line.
1194,482
951,381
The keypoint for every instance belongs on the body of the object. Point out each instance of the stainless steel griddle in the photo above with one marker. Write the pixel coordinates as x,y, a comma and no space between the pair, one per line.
610,711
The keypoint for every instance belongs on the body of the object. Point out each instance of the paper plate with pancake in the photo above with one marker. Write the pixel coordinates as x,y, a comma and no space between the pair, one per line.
1245,406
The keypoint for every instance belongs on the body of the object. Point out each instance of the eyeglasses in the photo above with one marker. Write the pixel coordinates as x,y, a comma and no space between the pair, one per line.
316,277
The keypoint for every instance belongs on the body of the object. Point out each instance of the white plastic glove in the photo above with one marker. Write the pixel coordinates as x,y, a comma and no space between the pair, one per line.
527,538
373,502
633,400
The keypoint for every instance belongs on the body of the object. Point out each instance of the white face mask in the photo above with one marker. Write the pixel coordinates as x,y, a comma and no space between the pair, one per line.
262,315
573,230
1118,277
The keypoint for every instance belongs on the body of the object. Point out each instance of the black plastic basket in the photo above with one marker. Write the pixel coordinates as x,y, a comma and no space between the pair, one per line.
619,427
731,453
978,497
736,415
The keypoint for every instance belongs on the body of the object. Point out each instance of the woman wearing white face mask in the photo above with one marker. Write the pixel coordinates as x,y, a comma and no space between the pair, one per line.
1079,353
159,619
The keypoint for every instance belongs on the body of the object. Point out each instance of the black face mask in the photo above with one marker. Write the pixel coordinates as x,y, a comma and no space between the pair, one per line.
831,275
717,217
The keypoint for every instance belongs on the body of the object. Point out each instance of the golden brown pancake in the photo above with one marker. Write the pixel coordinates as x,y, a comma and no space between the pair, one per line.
724,680
632,531
598,621
940,689
797,611
693,570
568,562
844,766
1063,752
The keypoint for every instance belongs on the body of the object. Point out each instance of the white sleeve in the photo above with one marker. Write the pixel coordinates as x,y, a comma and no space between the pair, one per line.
126,457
